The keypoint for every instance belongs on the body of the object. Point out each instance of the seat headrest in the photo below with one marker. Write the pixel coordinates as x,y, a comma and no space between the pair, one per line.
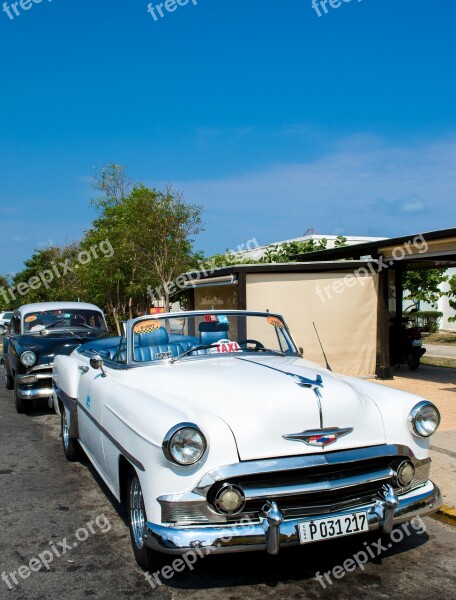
159,337
213,327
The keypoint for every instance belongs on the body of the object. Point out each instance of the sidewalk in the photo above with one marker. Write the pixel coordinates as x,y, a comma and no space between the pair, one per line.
437,384
436,351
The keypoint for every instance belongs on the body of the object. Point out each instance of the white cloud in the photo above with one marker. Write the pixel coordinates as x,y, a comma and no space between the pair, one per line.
363,186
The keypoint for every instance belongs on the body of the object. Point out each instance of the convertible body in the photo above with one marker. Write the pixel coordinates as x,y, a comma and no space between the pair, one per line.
235,442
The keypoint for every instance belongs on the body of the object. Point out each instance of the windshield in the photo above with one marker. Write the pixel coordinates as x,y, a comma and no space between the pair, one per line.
211,334
88,320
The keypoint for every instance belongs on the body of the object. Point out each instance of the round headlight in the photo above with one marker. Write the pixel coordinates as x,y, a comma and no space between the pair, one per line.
184,444
424,419
230,499
28,358
405,473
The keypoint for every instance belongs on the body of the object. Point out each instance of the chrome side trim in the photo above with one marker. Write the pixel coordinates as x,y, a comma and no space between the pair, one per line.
72,406
245,536
106,433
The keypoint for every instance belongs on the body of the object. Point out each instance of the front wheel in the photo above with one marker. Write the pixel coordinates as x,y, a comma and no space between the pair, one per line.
71,447
147,559
9,381
413,361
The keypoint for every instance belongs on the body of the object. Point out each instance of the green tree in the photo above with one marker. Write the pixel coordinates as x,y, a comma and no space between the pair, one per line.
424,285
162,227
48,276
151,233
5,299
452,296
113,183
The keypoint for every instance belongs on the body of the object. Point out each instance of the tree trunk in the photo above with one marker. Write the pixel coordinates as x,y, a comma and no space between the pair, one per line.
116,319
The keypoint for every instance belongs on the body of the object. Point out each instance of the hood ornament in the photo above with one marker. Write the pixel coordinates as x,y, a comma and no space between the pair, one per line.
318,437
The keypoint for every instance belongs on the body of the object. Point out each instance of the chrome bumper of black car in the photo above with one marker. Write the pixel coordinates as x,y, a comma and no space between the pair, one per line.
36,383
274,532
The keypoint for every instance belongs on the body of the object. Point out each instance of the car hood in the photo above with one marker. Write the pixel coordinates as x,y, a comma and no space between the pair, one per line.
261,401
46,347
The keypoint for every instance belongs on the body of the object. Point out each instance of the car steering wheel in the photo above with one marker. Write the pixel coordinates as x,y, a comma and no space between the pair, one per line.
257,345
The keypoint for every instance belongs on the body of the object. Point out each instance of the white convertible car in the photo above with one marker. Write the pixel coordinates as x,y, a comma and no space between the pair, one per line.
219,436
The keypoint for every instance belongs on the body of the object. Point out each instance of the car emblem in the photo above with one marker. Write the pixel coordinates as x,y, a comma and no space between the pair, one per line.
318,437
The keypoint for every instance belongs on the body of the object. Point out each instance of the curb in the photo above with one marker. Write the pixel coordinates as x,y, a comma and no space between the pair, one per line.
447,514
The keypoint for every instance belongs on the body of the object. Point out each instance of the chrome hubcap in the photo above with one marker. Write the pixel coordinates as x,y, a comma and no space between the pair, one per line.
137,518
65,430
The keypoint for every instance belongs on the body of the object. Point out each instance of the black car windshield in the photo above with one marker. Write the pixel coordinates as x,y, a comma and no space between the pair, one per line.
72,318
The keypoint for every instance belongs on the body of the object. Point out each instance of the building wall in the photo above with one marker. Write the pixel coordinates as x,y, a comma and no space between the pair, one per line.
346,317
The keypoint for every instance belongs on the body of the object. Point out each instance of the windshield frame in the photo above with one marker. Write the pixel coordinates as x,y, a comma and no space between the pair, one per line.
131,324
60,329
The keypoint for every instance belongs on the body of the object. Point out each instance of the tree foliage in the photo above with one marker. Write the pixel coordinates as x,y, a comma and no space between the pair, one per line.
452,296
141,240
424,285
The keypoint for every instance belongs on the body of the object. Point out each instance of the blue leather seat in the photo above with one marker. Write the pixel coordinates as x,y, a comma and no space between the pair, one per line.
210,333
149,346
154,338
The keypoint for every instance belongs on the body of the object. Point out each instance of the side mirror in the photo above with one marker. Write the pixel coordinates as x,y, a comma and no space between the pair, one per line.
96,362
301,351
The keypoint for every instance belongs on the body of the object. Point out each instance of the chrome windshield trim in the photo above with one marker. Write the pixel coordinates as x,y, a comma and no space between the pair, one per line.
129,325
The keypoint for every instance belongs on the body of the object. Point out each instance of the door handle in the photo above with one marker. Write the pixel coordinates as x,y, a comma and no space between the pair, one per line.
83,369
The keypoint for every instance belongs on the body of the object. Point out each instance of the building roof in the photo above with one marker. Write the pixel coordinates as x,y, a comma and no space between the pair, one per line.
302,267
374,249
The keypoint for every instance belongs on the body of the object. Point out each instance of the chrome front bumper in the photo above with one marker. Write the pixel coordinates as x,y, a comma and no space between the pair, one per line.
28,393
273,532
35,384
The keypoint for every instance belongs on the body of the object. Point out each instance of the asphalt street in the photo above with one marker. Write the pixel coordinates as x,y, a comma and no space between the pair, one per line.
48,503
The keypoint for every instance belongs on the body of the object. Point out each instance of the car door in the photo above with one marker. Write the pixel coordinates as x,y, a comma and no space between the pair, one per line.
92,393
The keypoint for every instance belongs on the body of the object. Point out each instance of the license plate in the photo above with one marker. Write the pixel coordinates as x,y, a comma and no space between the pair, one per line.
332,527
417,342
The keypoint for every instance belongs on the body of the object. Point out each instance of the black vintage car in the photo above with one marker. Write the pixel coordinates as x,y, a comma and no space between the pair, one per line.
37,334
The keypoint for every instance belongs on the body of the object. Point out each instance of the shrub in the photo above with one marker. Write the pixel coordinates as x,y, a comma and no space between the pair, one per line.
428,320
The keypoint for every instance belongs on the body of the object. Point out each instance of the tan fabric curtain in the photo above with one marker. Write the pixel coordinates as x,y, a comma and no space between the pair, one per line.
343,307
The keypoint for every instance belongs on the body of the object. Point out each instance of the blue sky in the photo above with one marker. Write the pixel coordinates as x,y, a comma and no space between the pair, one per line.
275,119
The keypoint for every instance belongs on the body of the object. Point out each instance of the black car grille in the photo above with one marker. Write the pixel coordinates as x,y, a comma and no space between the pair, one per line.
314,490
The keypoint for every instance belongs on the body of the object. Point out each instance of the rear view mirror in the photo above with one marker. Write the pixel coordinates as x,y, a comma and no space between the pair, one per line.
96,362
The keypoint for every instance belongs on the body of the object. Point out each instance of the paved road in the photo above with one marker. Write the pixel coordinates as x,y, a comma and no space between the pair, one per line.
438,350
45,499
